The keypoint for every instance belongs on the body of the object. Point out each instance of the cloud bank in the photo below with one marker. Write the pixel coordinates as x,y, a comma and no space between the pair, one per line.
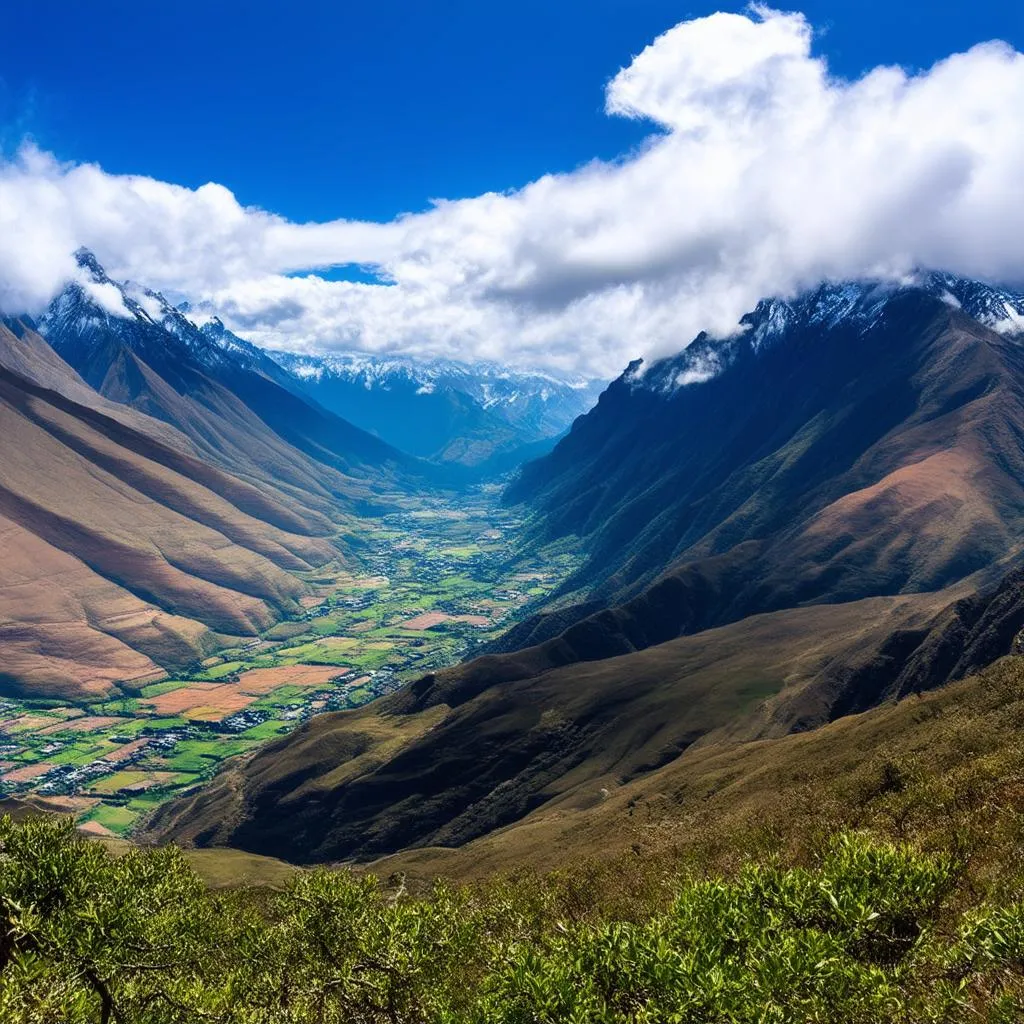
763,174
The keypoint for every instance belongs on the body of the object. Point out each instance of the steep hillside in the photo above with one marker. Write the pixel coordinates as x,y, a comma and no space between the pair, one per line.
797,532
478,415
123,550
864,440
476,748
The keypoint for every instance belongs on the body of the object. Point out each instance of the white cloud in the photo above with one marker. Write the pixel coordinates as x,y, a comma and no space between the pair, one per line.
107,296
763,174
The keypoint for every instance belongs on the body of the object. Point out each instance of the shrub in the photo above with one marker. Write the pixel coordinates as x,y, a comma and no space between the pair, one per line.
871,932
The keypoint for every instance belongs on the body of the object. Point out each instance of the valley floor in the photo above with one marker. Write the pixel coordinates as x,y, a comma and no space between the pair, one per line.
438,579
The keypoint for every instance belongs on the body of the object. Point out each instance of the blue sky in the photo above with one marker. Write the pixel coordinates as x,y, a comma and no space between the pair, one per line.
615,176
317,110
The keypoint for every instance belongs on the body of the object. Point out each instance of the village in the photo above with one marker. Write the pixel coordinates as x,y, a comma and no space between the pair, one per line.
434,584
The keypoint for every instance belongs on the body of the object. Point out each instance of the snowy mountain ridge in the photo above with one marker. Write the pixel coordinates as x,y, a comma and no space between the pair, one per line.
857,305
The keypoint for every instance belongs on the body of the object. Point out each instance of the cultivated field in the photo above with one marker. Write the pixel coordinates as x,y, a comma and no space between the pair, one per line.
435,582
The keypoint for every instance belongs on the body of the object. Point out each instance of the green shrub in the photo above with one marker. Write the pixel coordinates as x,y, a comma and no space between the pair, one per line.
873,932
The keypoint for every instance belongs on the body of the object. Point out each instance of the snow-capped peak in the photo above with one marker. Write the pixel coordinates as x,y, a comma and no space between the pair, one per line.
850,305
491,384
1001,309
127,309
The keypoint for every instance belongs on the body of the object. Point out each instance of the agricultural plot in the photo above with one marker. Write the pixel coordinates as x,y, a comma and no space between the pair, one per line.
434,582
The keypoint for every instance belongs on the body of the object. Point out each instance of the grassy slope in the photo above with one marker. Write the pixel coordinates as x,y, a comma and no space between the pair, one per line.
484,744
938,767
941,769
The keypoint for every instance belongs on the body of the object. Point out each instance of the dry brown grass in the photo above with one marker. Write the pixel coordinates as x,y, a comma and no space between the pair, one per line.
127,497
90,723
31,771
194,695
124,751
260,681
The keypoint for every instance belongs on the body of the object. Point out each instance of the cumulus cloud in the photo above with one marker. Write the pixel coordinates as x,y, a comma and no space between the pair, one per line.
762,174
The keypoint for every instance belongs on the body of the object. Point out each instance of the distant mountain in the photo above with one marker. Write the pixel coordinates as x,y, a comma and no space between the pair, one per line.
160,487
783,527
236,404
445,410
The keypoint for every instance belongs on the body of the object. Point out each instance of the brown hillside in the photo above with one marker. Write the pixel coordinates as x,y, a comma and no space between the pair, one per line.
802,537
122,549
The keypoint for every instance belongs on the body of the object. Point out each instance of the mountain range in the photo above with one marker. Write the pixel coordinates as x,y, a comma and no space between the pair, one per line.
159,492
818,515
813,518
480,415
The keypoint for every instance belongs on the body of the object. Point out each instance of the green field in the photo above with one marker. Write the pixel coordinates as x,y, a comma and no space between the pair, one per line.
218,672
156,689
413,561
112,783
117,819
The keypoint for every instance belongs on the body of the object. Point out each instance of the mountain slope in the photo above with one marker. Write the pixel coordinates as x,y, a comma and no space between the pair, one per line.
831,454
784,528
944,762
477,747
442,409
123,549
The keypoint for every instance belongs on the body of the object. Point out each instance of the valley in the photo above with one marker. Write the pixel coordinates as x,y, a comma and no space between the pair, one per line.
437,579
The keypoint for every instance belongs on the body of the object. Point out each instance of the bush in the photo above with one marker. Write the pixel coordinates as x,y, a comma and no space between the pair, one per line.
872,932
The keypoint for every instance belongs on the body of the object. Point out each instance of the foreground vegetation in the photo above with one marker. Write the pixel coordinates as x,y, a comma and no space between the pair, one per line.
867,872
869,931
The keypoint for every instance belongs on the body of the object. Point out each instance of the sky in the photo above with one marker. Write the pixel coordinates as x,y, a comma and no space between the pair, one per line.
552,183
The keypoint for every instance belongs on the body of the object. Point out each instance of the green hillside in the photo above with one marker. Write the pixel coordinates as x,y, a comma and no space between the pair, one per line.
866,871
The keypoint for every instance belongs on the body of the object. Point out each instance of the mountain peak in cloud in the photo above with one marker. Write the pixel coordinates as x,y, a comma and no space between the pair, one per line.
764,175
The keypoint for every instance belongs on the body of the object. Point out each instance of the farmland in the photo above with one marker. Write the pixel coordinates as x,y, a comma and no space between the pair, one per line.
432,582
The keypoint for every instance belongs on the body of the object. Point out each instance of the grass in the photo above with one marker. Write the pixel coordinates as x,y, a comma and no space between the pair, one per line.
172,722
155,689
231,869
126,706
934,769
203,755
78,754
330,651
219,672
466,551
112,783
117,819
265,731
287,631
